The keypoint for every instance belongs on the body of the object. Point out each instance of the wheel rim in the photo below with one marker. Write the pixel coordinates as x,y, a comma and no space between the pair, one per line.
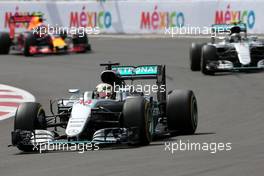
194,111
149,122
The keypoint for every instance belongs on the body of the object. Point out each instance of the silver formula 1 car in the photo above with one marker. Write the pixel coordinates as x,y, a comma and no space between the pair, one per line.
235,52
126,117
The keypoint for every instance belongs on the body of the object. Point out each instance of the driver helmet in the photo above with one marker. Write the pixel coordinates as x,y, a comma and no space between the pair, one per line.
35,22
104,91
235,37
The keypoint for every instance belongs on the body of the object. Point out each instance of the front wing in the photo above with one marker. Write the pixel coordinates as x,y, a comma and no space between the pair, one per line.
226,65
103,137
57,50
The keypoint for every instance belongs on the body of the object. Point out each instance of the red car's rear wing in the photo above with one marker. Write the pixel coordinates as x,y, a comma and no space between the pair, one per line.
15,20
19,19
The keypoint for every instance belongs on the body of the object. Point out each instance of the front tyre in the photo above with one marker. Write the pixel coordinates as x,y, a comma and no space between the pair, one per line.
136,113
182,112
29,117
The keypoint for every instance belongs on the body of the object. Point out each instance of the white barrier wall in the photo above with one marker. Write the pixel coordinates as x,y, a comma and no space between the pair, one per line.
140,17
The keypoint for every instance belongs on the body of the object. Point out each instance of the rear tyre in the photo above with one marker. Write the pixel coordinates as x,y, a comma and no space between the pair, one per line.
195,57
5,43
182,112
29,116
208,54
29,41
84,41
136,113
89,47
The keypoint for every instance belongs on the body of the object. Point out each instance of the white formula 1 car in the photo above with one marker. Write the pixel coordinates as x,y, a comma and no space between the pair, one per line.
236,52
125,117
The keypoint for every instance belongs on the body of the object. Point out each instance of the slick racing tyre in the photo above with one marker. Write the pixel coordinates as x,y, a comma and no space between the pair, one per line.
182,112
208,54
29,116
195,56
79,39
5,43
136,113
29,41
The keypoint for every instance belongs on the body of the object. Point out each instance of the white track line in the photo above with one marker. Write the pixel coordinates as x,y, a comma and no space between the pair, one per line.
6,90
7,109
14,100
10,114
9,93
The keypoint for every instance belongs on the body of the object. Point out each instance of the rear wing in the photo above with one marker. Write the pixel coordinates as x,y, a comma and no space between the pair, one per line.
138,72
227,27
16,19
24,18
20,19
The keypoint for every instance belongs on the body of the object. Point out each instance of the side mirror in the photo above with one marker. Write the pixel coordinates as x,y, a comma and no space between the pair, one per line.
75,91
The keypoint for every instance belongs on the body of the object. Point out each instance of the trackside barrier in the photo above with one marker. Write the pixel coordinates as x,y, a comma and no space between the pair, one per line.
139,17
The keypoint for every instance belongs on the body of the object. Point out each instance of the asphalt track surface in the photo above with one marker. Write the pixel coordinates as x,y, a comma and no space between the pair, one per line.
230,110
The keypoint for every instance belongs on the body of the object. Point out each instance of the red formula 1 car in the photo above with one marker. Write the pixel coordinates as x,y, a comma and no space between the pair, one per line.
37,39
